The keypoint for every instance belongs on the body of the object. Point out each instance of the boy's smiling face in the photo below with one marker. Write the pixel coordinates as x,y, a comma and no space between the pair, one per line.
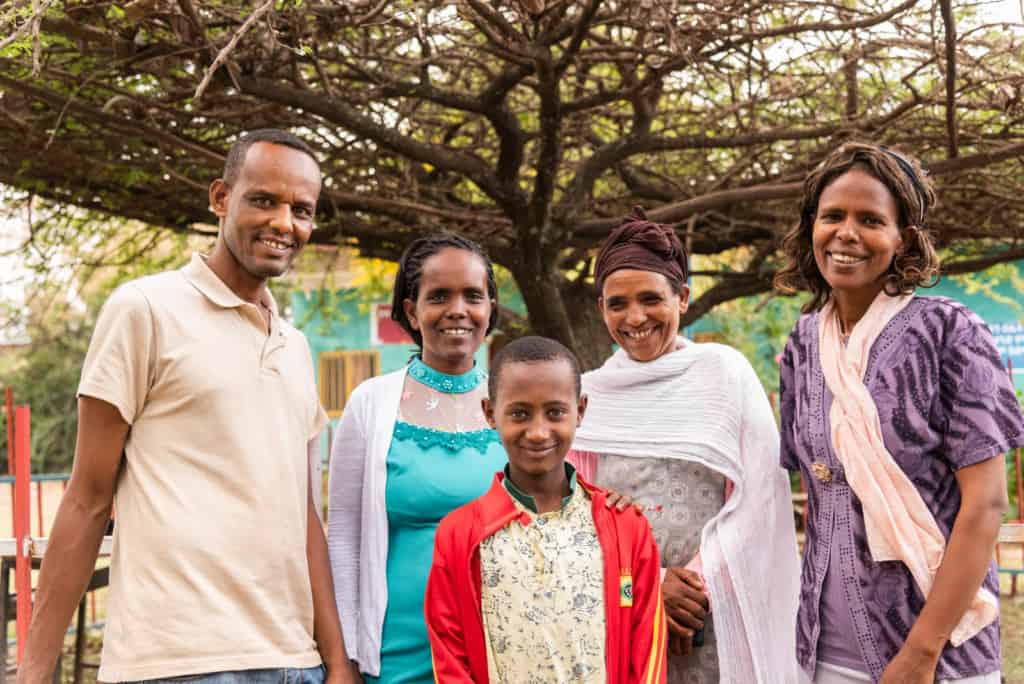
536,412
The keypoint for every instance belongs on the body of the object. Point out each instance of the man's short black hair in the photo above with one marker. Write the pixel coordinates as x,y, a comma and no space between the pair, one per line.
531,349
236,155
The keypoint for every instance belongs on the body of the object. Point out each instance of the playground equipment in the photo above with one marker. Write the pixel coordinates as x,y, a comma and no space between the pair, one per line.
1012,533
23,552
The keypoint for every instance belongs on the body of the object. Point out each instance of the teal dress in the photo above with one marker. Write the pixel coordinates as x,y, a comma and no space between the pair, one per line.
430,472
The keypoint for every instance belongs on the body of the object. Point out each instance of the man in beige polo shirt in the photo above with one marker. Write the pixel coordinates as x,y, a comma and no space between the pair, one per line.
195,408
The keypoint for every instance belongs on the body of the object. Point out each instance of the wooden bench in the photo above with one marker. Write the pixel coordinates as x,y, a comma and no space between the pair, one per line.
8,602
1010,533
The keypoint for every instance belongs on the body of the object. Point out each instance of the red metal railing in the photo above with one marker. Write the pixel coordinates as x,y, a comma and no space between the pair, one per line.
22,532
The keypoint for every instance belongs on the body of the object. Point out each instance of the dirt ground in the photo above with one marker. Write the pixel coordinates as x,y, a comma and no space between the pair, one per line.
1012,639
1012,618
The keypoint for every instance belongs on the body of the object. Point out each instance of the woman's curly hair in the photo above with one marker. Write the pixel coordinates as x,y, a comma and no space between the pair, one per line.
915,265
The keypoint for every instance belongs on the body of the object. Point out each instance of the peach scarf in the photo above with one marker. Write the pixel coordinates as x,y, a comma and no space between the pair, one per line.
899,524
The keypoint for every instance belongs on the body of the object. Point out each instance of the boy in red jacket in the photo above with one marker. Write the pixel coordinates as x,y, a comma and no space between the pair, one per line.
538,580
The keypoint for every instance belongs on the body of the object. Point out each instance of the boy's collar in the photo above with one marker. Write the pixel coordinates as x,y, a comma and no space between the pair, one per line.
528,501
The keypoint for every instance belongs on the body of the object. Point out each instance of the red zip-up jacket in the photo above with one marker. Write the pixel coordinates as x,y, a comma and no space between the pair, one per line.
635,641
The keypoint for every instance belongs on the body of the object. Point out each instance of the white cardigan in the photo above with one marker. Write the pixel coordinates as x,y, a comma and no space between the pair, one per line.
357,530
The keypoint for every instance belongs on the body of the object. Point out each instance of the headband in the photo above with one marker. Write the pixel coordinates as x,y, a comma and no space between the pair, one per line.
915,180
644,245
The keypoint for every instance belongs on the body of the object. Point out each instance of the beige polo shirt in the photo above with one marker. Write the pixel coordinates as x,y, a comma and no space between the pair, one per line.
209,567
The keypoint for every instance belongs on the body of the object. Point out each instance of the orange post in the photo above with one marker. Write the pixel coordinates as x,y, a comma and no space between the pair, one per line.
1017,460
1020,485
22,531
9,405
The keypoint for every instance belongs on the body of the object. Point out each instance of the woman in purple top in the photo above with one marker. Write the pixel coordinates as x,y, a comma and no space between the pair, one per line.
946,414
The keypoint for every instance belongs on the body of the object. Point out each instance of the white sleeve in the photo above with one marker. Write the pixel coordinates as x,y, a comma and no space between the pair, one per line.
120,365
345,505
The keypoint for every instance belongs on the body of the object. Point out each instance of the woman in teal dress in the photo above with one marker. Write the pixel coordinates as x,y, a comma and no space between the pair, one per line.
411,446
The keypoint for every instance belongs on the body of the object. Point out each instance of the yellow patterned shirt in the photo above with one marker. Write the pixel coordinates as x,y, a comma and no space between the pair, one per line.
543,597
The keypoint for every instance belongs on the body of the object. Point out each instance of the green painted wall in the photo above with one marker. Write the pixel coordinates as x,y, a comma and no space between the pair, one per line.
349,327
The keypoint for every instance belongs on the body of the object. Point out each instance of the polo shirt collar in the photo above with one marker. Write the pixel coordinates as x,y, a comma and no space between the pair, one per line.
202,277
528,501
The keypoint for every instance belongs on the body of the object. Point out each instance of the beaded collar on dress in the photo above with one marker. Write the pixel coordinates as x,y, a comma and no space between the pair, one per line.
443,382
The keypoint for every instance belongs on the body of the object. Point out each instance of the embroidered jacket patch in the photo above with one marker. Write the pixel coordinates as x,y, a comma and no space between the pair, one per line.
625,591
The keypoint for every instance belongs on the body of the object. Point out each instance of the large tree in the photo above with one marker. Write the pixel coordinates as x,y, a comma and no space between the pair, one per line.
529,125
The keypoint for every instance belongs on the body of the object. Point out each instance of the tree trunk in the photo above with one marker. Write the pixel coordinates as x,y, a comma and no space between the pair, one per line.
593,343
564,311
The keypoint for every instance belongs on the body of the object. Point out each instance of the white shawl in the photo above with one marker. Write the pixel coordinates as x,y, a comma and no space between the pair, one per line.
704,403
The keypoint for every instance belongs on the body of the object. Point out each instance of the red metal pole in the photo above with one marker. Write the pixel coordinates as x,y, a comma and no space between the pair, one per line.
22,530
1019,476
9,402
9,405
1020,486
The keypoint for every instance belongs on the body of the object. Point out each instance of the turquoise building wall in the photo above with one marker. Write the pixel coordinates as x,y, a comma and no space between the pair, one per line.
349,326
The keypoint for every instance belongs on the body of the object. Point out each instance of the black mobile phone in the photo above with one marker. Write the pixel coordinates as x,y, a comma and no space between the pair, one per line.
698,638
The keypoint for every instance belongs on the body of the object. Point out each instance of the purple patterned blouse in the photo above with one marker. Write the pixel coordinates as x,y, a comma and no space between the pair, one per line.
945,402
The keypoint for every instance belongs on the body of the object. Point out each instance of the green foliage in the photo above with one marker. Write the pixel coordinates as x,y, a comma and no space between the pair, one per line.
70,264
115,13
758,327
45,376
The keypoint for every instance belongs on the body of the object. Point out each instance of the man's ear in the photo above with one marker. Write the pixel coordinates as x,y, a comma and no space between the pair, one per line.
488,408
581,409
219,191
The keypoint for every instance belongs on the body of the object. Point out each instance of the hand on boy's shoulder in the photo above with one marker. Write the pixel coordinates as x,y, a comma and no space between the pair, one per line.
621,503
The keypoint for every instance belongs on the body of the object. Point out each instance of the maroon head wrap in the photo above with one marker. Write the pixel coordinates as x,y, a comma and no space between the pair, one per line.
638,243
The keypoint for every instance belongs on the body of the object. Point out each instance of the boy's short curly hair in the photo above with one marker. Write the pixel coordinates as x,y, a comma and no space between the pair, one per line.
916,265
532,349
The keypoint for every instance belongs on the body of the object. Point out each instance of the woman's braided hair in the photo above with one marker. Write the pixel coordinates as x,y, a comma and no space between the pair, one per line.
916,264
410,269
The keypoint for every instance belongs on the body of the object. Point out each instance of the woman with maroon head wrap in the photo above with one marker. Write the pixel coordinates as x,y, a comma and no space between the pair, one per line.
686,430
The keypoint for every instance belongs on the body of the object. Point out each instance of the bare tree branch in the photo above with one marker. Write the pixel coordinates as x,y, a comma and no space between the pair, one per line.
225,52
31,27
950,22
530,129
